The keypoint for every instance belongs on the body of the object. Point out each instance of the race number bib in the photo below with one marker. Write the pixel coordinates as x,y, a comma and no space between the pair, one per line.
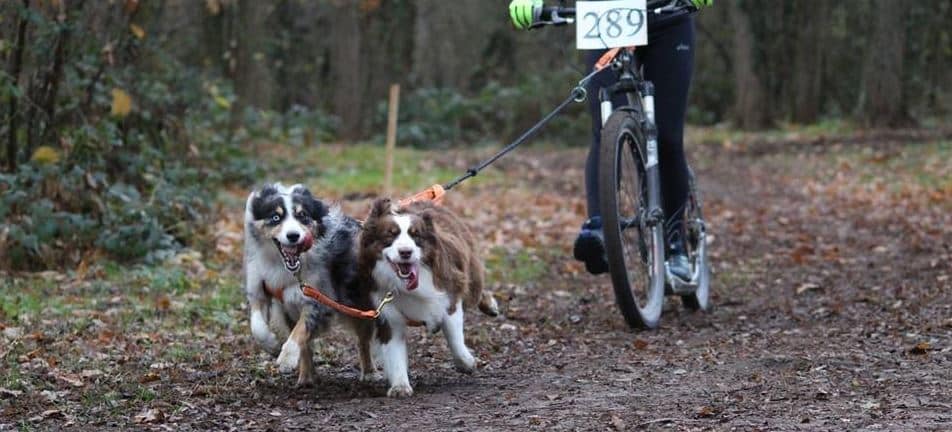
610,24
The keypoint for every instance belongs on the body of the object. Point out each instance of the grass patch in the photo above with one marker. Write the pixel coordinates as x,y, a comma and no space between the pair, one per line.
217,307
926,166
338,170
360,168
516,267
28,298
786,131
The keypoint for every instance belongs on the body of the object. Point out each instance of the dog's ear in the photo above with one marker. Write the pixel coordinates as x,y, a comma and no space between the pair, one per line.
262,202
427,217
381,207
314,207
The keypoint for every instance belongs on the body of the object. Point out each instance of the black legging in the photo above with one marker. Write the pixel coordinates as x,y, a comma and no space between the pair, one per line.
668,60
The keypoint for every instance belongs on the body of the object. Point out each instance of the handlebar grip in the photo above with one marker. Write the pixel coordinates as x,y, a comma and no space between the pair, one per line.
548,12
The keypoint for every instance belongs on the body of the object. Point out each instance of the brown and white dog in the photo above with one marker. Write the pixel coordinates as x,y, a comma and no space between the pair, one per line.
288,230
427,258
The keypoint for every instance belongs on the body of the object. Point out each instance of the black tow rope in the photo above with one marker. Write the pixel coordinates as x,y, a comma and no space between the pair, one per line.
578,95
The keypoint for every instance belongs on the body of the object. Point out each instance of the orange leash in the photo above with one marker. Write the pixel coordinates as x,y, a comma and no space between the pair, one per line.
316,294
606,58
433,193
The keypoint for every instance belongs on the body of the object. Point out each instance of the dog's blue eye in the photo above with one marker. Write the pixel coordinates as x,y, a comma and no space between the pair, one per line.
276,218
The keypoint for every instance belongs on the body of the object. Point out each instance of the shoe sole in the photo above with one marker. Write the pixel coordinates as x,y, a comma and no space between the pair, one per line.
588,250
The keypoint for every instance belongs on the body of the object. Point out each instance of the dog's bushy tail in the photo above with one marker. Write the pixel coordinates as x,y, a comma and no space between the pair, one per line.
487,304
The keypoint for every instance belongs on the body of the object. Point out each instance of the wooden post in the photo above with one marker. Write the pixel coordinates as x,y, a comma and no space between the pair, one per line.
391,137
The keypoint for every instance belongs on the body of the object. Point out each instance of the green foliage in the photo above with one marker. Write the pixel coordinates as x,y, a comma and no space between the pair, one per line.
136,140
444,117
299,126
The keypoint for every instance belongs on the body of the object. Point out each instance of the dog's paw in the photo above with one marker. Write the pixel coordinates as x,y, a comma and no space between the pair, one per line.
269,342
305,379
488,305
288,359
465,365
369,376
400,391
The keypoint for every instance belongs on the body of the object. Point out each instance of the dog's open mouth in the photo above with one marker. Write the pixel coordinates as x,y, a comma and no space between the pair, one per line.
407,272
292,254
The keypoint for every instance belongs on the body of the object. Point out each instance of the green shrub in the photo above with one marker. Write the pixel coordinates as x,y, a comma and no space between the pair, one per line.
443,117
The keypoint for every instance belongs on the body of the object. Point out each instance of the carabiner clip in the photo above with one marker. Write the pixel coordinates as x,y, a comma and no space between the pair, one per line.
580,94
386,299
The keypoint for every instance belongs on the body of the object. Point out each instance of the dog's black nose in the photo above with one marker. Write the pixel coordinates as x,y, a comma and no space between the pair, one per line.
405,253
293,237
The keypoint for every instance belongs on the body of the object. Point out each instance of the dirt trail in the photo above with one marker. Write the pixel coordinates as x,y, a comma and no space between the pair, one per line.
830,315
833,311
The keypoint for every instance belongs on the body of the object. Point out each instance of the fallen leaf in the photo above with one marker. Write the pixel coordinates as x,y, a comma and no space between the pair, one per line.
618,423
7,393
507,326
53,396
12,332
640,344
150,415
90,373
807,286
121,103
45,155
131,6
706,411
921,348
801,253
163,303
70,379
136,30
149,377
46,414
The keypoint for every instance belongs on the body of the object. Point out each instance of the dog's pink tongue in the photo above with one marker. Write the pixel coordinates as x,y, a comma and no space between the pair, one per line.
413,280
306,243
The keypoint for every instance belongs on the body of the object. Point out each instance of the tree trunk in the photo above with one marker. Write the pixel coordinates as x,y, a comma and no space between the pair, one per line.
16,63
881,101
252,76
55,76
423,74
749,111
346,69
813,19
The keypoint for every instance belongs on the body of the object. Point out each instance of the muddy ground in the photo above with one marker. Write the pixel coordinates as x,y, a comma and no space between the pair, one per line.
832,311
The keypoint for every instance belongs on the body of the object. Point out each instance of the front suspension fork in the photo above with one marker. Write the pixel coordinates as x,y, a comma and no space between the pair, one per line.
655,214
653,175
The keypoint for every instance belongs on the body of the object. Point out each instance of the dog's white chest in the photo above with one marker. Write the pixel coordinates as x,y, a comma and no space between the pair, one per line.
426,303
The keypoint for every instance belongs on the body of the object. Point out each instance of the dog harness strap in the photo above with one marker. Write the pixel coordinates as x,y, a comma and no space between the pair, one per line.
277,293
317,295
